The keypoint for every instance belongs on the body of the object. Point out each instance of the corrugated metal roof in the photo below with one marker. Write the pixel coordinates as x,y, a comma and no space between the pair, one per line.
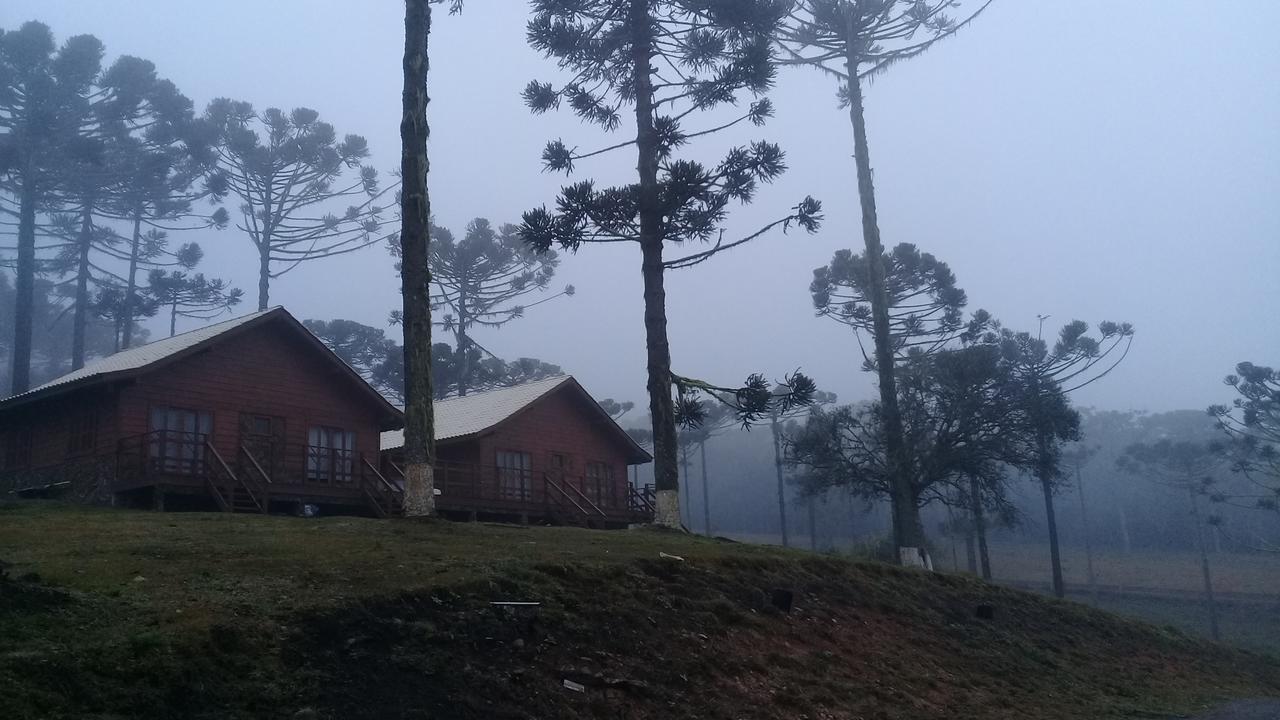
462,416
140,357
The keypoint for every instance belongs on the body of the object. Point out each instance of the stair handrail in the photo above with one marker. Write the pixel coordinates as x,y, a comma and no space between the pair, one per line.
386,484
547,481
211,451
586,499
257,466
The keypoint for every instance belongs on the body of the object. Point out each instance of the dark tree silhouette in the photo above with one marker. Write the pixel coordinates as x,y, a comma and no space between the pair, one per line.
1188,467
966,415
849,40
1252,427
51,336
778,419
1076,360
45,96
482,280
192,296
289,170
616,409
925,306
667,61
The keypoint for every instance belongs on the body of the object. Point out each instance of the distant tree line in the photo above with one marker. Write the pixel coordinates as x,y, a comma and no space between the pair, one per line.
100,164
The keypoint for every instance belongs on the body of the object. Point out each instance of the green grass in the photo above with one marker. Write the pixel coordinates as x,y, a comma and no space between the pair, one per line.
143,615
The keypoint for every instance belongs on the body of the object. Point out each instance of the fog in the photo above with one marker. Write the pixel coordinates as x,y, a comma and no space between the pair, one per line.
1086,160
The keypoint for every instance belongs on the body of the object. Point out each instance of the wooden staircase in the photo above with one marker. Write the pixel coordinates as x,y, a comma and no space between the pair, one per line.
232,492
384,498
567,505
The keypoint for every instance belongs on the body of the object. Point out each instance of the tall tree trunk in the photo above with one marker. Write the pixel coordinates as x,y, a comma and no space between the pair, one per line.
1051,520
1124,530
464,358
684,469
81,316
131,282
970,548
706,490
415,275
980,527
1088,542
951,533
173,320
24,286
813,523
908,531
666,476
264,270
1210,604
782,488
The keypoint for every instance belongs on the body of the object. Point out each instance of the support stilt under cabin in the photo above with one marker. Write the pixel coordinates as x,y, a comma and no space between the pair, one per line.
256,415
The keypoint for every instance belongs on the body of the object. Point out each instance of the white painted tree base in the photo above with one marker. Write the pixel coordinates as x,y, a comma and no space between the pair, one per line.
915,557
667,509
419,490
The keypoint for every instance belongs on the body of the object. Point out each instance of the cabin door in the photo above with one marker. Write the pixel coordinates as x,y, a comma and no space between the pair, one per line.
263,436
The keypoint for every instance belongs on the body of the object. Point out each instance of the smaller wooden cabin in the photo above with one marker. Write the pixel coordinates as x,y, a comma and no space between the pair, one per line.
544,451
254,413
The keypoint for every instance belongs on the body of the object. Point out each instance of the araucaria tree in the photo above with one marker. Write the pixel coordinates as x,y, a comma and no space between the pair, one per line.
668,62
1077,359
289,170
849,40
43,102
483,280
1252,427
191,296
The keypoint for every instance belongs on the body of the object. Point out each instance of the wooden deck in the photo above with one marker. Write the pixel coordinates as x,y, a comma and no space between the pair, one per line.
169,470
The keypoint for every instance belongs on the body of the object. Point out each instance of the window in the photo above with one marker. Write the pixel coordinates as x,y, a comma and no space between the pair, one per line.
600,489
17,449
515,475
178,437
331,454
260,425
82,433
559,464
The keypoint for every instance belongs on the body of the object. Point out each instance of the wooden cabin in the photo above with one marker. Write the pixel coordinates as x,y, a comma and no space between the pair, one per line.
543,451
256,414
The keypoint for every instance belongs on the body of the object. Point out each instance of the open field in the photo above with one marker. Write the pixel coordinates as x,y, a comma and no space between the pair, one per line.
1257,574
115,614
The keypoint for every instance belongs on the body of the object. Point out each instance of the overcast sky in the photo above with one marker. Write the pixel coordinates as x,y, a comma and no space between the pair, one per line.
1085,159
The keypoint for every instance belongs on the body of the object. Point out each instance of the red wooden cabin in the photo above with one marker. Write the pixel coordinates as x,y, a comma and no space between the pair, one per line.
257,414
252,413
542,451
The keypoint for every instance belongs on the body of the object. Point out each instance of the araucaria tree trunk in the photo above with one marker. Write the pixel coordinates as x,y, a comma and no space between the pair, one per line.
1051,520
131,283
782,488
264,267
81,315
661,405
24,287
706,491
1211,606
415,208
908,531
980,527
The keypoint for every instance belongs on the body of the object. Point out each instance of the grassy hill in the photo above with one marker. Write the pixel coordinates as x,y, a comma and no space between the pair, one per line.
114,614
